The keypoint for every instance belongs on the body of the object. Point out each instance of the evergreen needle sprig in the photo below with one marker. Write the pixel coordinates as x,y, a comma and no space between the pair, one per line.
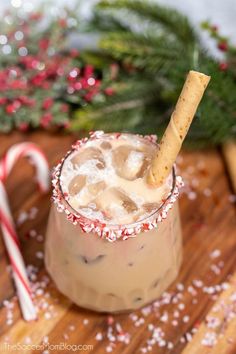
161,45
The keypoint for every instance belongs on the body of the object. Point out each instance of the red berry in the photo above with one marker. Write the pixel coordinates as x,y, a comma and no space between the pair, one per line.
74,53
62,22
44,44
223,66
3,100
10,109
46,119
35,16
47,103
77,86
23,126
16,104
27,101
223,46
18,84
109,91
88,71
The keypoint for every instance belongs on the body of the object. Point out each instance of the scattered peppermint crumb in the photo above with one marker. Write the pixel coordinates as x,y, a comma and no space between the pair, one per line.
192,195
109,349
71,328
175,300
164,317
146,310
27,340
45,339
47,315
133,317
150,327
215,254
99,336
192,291
212,322
198,283
176,314
180,287
188,337
181,306
22,217
209,339
45,352
162,343
85,321
207,192
40,238
170,345
65,336
33,212
186,318
139,322
215,269
32,233
39,254
39,292
9,321
224,286
175,323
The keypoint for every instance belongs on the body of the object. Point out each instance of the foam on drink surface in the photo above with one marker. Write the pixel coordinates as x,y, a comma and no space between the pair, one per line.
105,179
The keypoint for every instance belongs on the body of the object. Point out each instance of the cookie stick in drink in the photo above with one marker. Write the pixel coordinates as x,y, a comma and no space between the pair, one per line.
177,128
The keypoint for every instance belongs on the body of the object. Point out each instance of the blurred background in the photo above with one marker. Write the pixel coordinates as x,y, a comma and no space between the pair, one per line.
115,65
197,11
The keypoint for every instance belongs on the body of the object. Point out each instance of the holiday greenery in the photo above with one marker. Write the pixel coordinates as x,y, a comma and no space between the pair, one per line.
41,80
159,46
130,83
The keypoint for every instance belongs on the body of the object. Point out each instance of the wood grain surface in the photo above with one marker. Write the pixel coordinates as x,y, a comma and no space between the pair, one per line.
209,233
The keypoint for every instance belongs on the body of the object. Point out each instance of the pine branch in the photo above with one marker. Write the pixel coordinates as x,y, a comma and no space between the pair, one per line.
106,23
141,50
164,16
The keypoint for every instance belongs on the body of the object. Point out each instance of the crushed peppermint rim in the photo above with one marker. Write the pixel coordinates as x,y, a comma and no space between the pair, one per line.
103,230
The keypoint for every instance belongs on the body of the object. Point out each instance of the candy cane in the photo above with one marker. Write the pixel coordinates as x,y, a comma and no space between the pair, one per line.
7,225
36,156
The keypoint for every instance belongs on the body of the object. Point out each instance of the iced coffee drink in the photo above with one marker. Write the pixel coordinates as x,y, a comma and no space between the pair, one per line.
113,242
114,237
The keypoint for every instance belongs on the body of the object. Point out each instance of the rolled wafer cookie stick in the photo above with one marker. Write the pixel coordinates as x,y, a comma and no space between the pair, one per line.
177,128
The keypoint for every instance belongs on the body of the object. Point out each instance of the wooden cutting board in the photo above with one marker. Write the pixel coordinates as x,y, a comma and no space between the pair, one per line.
190,318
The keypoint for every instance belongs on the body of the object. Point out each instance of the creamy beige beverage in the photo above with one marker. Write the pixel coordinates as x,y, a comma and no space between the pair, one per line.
103,191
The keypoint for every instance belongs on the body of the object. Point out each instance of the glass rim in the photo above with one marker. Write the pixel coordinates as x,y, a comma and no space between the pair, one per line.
110,226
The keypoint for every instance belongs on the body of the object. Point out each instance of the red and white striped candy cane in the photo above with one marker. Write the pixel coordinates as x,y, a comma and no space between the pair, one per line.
36,156
7,225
